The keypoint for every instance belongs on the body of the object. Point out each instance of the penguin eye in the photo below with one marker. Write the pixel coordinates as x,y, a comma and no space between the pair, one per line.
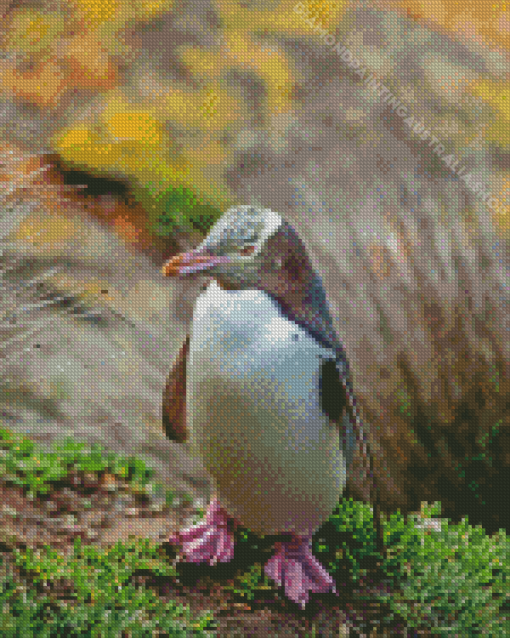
247,250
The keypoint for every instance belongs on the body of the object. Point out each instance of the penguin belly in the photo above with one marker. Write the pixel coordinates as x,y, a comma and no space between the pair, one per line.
254,413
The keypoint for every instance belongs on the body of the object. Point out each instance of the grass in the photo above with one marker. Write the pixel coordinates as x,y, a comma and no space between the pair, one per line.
453,581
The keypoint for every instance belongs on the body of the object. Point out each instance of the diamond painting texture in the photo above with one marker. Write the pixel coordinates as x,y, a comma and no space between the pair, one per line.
302,429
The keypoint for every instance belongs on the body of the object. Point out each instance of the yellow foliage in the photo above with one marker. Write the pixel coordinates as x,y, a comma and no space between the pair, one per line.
134,126
74,139
280,17
151,8
95,12
500,185
181,107
220,109
80,146
203,62
33,31
240,51
498,95
122,140
133,141
326,13
269,64
213,108
143,158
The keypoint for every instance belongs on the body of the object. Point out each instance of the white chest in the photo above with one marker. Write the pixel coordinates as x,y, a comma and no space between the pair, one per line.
254,413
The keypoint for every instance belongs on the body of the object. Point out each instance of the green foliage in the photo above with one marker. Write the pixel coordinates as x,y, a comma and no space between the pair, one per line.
182,209
356,519
104,600
95,573
453,578
38,471
253,580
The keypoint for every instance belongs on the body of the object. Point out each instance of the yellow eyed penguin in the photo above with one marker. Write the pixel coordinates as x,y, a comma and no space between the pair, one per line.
263,391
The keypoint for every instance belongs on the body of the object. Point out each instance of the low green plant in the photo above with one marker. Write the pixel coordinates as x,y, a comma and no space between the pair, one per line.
247,584
452,579
179,207
455,580
356,519
101,599
38,471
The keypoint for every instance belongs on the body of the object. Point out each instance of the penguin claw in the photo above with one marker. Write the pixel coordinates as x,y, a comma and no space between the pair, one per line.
294,566
211,540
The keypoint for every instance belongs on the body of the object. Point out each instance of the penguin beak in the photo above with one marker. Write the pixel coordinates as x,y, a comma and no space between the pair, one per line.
192,262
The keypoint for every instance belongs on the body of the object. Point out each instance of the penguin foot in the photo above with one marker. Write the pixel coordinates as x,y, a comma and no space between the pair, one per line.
295,566
211,540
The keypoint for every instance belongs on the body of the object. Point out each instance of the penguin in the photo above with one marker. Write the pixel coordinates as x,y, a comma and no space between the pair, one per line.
262,391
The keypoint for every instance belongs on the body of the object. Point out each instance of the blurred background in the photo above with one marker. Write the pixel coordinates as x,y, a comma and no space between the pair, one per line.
126,128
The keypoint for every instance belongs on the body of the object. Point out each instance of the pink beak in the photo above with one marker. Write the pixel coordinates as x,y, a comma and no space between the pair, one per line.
192,262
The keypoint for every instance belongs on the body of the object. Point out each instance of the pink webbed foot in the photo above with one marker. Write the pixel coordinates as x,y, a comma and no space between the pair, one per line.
295,566
211,540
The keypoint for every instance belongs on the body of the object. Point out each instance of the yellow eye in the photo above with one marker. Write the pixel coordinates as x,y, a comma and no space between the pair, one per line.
247,250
